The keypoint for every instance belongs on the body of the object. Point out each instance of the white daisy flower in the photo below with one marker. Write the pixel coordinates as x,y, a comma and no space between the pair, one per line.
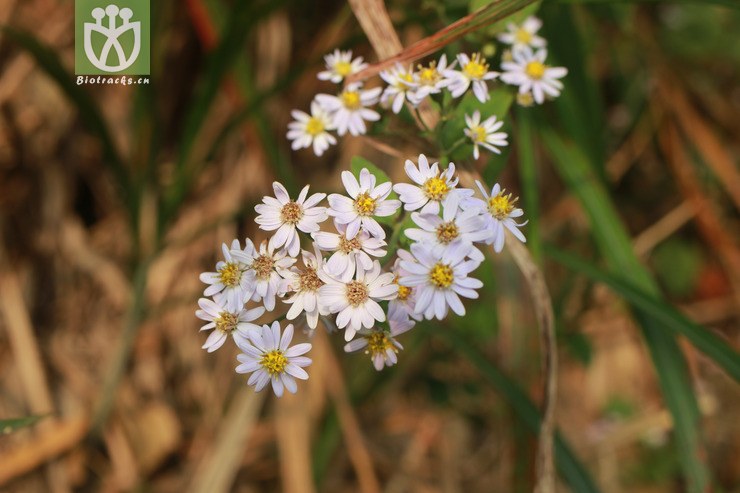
524,35
499,210
432,187
381,344
308,130
230,280
349,253
401,83
441,281
527,70
304,284
485,133
265,267
472,71
340,65
406,299
365,201
269,358
288,217
355,302
441,233
349,109
429,80
225,322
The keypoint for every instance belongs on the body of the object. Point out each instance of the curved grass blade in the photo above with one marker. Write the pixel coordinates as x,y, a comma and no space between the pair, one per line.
567,463
8,426
714,347
614,243
92,118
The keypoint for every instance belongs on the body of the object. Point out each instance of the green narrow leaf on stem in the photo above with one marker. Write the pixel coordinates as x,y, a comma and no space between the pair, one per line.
614,244
571,469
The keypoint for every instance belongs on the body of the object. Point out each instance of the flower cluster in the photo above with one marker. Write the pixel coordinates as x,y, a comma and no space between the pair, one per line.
351,108
339,277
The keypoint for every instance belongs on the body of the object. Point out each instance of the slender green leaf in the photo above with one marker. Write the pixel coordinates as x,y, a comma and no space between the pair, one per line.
570,467
614,244
704,340
530,184
8,426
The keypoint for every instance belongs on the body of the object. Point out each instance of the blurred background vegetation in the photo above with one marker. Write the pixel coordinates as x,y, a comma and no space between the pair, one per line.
113,199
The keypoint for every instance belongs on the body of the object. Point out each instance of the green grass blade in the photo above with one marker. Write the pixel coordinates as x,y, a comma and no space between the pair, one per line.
91,117
8,426
530,185
614,244
219,63
711,345
570,467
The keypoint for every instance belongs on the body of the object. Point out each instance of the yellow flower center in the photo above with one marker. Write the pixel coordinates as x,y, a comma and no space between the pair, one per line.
309,280
262,266
378,343
478,134
501,205
535,70
403,292
274,362
314,126
226,322
357,293
230,275
477,67
441,275
364,204
348,246
525,99
523,36
435,188
351,100
428,76
291,213
446,232
343,68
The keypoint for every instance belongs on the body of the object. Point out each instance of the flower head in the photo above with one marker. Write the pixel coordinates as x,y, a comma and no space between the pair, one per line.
230,280
527,70
311,130
524,35
365,202
304,284
432,187
340,65
356,302
485,133
381,344
225,322
265,267
406,299
499,210
269,358
441,281
473,70
429,80
290,216
401,82
348,253
455,226
349,109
